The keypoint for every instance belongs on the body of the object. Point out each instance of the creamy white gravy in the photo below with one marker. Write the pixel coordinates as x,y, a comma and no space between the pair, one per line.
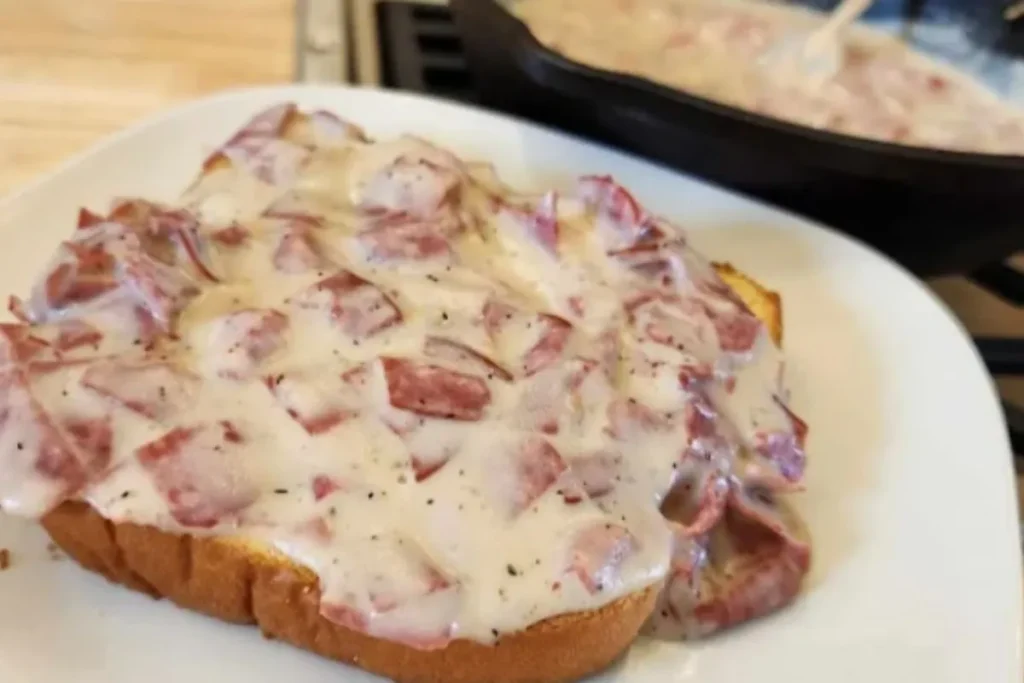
720,50
459,405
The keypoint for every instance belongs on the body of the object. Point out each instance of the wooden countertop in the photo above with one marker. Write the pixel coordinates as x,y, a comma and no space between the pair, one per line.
73,71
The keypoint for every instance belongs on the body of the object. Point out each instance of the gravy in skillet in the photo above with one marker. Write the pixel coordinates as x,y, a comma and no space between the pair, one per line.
883,90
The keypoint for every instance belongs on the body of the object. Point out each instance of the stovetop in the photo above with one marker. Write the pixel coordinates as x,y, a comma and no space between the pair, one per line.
414,45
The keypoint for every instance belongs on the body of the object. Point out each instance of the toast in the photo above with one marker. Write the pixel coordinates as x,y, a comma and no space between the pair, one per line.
247,583
729,550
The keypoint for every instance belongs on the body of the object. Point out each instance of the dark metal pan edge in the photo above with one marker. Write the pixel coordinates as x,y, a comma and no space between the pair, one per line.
554,70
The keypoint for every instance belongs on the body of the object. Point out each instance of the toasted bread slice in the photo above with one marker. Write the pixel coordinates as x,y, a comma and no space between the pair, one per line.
244,582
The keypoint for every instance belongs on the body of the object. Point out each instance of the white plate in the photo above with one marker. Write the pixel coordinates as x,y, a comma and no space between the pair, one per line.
917,566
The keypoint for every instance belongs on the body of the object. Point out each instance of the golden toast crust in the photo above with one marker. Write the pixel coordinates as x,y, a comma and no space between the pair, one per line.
233,582
763,303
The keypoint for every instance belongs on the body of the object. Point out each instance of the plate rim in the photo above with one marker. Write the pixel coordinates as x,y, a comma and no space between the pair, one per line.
237,98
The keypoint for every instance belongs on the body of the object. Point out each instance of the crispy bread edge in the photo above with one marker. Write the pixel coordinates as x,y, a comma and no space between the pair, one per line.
237,582
763,303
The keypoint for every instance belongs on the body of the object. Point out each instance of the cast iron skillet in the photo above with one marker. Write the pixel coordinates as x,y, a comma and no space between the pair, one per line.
936,212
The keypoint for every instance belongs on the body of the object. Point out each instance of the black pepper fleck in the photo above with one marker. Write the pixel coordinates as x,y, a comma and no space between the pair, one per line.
430,501
280,491
512,571
125,494
370,495
494,632
21,446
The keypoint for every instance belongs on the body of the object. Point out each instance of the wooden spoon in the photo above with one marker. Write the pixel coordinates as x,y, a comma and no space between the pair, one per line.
816,56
